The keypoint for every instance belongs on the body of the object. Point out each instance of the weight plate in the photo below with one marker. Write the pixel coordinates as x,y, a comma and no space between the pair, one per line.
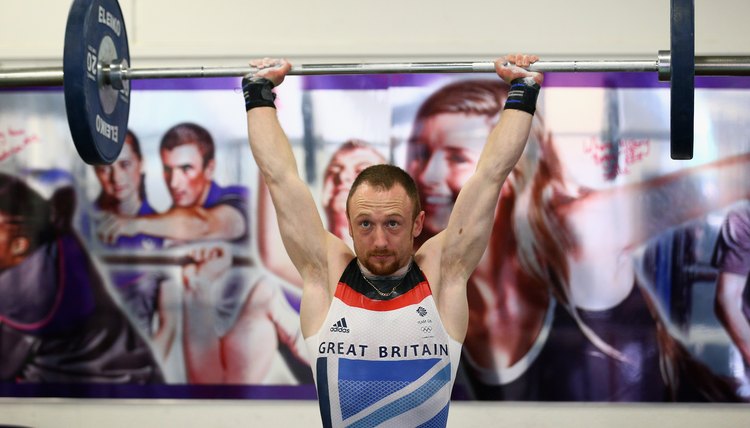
97,113
682,92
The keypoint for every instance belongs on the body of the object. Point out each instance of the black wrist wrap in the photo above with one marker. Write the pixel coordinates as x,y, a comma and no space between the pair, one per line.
522,95
257,92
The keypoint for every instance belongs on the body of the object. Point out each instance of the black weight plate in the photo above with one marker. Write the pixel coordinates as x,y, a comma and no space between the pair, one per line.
682,92
97,113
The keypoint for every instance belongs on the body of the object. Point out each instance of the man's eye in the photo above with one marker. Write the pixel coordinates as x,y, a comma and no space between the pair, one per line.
418,151
457,158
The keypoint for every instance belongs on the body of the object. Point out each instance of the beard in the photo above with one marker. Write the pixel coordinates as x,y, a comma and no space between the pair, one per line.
379,268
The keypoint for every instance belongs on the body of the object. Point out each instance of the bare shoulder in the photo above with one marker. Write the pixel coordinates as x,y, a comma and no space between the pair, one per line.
319,289
339,256
428,258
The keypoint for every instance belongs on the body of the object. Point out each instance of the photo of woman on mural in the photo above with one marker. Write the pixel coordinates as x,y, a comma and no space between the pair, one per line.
557,299
147,295
123,193
593,278
59,324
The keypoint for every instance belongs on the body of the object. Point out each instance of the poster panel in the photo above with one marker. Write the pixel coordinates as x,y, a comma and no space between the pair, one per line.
613,272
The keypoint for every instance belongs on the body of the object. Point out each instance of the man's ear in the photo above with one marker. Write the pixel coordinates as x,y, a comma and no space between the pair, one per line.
209,169
19,246
418,224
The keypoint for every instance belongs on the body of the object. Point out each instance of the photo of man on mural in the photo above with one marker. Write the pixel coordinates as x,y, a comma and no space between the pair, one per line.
201,209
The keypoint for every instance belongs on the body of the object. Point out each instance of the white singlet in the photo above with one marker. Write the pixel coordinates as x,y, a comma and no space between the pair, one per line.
383,362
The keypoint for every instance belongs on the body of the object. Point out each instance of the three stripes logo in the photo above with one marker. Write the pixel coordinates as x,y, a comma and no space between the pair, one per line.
340,326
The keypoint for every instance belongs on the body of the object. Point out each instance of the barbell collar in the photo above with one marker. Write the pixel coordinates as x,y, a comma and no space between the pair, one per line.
114,75
665,66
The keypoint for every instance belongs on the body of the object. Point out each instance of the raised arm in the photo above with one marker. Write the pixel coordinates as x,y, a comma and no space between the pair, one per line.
301,227
465,239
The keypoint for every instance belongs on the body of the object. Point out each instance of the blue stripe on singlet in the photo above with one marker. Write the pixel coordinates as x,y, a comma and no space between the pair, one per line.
368,370
407,402
323,394
364,382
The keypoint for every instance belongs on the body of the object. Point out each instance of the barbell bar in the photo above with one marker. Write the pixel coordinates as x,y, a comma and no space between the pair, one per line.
165,259
96,75
115,75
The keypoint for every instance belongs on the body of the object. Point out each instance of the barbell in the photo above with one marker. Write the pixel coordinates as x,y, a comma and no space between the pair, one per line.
96,73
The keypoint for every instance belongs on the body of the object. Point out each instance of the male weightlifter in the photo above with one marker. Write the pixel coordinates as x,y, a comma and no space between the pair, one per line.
384,325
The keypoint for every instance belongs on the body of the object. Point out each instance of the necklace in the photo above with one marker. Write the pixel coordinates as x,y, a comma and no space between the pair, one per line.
393,290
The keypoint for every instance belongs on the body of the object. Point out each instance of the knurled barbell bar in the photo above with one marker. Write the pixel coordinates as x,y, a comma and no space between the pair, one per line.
96,73
165,258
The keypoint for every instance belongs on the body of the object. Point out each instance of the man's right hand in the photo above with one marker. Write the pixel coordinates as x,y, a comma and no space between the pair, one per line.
511,67
272,69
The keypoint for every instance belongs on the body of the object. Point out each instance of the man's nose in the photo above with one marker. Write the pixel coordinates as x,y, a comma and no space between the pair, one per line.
175,178
380,240
434,169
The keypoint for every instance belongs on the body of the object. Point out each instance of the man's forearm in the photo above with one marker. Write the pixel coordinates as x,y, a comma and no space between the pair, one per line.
190,224
269,145
505,145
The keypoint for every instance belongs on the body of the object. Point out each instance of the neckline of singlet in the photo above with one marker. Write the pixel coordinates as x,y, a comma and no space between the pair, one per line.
387,283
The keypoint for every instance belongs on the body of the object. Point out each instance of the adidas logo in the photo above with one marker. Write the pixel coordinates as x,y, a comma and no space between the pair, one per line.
340,326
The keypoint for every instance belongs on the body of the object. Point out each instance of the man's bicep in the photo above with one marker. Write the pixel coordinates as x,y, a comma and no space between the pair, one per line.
300,224
470,226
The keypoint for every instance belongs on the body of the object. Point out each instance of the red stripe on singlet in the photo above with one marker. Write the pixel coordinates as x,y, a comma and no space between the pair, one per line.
348,295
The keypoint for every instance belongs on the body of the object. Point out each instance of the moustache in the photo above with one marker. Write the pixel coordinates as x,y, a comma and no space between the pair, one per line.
380,253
